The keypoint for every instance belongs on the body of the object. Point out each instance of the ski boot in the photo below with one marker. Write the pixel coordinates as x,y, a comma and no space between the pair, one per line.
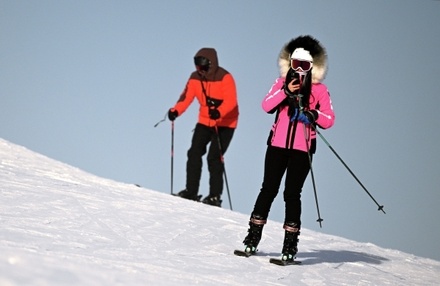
290,245
188,195
255,230
212,200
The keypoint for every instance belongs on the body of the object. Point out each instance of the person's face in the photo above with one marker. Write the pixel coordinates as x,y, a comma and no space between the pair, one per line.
202,70
202,65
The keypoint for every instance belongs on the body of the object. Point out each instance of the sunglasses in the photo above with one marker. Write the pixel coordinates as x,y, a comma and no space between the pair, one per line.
304,65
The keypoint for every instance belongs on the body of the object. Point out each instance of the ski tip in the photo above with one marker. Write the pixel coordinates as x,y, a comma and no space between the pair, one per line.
197,199
283,262
242,253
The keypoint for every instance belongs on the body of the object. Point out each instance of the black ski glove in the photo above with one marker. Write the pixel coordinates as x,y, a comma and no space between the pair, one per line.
172,114
214,114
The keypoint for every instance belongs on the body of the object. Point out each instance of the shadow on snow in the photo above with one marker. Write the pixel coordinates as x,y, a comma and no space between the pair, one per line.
338,256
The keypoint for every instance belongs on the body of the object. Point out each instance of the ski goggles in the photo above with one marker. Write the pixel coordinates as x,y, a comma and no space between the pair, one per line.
304,65
202,63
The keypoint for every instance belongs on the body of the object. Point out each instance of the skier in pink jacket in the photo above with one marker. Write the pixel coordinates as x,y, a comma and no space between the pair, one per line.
299,100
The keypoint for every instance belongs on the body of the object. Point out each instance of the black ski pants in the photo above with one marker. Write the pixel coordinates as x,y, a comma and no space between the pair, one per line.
204,135
277,161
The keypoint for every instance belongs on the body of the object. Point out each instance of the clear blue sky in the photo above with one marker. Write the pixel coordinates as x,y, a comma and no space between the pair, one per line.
84,82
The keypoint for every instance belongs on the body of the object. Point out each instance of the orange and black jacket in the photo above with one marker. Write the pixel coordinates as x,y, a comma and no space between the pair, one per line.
215,90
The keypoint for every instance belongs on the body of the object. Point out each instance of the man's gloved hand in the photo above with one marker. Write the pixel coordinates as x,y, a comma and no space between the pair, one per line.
214,114
172,114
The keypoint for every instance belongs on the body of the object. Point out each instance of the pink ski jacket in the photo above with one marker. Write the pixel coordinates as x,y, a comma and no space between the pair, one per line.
283,133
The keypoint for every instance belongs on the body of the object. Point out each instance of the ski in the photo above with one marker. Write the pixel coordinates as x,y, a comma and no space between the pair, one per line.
197,199
284,262
276,261
243,253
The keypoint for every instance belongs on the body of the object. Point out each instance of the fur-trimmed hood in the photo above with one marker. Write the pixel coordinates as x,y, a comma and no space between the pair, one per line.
315,48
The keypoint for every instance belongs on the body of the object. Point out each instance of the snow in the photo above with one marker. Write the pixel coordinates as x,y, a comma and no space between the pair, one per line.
63,226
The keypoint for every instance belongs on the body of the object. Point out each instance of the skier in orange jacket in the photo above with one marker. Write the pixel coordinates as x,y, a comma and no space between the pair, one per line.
214,88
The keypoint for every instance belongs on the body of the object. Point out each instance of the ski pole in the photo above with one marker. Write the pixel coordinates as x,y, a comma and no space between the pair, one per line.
172,155
345,165
223,164
172,148
319,220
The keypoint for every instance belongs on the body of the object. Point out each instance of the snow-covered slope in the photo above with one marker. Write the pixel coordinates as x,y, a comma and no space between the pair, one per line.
62,226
